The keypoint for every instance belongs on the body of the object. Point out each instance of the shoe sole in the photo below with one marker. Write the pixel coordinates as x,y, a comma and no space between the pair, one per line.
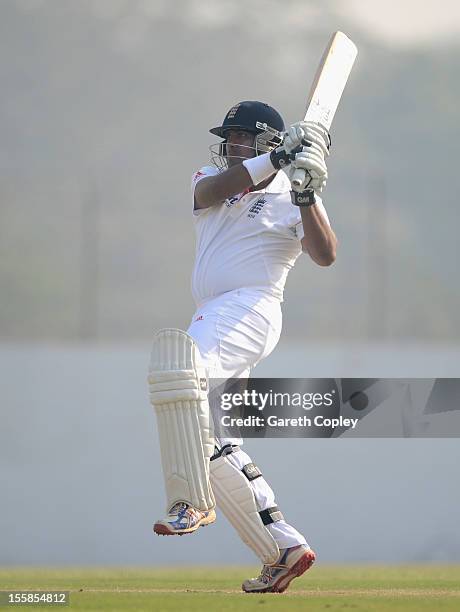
161,529
300,567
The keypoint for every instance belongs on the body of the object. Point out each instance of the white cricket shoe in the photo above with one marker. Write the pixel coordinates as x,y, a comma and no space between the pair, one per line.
276,578
183,518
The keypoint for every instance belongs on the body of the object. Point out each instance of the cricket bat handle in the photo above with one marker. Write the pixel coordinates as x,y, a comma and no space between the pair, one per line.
298,178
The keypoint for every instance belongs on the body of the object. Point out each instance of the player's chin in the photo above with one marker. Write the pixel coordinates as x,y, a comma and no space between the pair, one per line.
234,161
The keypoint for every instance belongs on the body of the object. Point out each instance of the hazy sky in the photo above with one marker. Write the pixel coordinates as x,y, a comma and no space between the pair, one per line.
405,22
401,22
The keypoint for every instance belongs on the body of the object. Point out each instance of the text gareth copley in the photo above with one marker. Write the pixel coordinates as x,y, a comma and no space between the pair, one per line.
275,421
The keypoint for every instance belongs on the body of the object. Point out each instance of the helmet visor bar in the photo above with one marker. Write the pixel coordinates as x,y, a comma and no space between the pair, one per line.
268,139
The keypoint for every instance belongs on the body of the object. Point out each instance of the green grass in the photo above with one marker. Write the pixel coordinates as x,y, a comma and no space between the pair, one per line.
325,588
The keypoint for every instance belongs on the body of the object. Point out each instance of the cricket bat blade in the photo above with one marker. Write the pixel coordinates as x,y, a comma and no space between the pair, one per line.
327,87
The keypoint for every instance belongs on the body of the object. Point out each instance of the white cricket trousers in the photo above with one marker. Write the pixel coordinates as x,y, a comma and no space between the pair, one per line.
235,331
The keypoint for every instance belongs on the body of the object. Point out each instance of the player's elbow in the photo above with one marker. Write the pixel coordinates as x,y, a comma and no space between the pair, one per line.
326,259
323,258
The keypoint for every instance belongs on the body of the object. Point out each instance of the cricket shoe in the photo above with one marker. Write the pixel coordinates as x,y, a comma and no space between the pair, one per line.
275,578
183,518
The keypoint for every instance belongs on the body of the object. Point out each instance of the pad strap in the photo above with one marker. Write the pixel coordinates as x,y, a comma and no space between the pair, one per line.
271,515
228,449
251,471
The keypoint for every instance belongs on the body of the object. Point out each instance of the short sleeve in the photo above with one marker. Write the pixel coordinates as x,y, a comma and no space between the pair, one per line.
196,178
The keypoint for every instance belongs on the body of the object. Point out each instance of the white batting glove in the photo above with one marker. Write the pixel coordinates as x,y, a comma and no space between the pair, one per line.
294,137
310,159
304,132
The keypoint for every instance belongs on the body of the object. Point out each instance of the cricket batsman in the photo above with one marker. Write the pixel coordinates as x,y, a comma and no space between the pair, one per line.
251,226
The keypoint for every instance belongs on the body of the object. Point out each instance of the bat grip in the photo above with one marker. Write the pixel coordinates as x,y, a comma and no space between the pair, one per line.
298,178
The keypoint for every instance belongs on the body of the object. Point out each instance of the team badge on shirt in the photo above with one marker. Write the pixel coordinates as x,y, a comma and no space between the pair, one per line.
256,207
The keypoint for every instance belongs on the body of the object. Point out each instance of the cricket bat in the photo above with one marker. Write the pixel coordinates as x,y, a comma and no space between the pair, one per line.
327,87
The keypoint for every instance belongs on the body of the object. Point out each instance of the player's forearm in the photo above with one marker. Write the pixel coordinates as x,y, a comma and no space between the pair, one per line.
214,190
319,240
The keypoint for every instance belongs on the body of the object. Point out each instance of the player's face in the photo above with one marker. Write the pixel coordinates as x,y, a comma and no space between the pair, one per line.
240,145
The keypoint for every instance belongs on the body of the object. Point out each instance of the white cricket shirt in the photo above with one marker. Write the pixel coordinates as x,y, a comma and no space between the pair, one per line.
250,240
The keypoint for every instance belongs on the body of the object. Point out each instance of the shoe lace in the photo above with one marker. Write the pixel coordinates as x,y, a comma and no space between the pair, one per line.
178,507
266,573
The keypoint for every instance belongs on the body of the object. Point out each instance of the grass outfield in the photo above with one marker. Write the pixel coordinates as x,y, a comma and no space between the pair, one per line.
366,588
